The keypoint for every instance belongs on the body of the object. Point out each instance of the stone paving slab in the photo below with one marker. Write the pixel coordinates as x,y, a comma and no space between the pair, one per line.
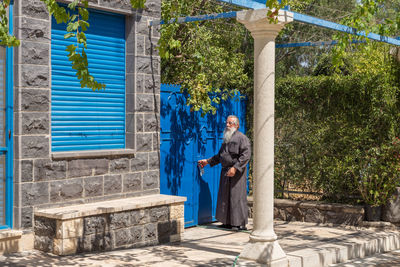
212,246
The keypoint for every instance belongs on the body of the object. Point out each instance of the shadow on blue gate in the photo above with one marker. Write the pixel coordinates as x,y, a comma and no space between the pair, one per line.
181,135
187,137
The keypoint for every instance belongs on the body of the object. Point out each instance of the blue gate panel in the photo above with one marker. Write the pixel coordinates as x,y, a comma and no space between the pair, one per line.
187,137
80,118
2,135
6,133
207,145
2,190
177,155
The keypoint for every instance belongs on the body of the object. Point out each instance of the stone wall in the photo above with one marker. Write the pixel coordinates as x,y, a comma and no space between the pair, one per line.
46,179
308,211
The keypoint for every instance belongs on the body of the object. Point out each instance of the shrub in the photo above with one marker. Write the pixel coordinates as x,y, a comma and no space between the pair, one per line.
329,126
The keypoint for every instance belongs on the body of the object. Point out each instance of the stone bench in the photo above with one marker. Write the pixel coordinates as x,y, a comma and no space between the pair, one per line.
101,226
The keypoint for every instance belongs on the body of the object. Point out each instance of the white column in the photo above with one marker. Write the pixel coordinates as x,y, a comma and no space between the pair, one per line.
263,246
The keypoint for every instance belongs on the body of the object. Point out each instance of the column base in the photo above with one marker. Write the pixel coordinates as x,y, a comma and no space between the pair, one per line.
263,254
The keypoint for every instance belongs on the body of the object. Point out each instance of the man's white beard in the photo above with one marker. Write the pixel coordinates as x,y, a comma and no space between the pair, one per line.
228,132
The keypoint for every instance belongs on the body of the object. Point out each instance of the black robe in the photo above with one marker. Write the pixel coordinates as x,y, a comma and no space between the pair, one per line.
232,195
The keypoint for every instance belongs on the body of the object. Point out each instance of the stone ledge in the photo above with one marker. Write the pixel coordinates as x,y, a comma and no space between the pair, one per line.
122,11
12,241
321,206
92,154
5,234
379,225
111,206
315,212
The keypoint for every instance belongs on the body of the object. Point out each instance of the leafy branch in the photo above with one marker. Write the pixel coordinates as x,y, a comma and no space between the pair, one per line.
365,19
138,3
205,58
5,38
273,9
76,27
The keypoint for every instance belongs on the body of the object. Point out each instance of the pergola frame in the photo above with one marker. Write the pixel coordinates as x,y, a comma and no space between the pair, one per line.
296,17
263,248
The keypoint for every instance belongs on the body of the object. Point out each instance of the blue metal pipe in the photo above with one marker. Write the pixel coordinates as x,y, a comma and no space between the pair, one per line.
225,15
258,4
312,44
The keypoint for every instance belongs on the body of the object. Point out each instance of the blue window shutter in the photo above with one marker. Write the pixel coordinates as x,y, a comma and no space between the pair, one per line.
82,119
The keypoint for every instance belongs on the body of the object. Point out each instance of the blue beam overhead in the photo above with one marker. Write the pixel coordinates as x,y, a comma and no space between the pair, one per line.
224,15
258,4
323,43
342,28
252,4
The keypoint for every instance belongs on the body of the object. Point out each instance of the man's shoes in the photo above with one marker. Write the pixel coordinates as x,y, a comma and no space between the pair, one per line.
226,226
239,228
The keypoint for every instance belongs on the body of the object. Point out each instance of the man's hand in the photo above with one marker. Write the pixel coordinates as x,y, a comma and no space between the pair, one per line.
202,163
231,172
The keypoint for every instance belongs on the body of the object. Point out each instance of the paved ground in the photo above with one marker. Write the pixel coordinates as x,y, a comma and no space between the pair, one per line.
212,246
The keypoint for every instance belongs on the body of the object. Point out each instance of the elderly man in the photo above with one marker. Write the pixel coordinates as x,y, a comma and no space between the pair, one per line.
233,155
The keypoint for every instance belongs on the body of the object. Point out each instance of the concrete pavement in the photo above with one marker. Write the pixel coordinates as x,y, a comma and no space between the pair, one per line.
306,244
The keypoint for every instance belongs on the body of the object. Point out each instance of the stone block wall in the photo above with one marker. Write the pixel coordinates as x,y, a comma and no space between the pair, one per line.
109,231
46,179
315,212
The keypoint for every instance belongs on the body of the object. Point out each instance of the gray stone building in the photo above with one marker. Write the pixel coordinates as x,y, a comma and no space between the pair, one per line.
70,200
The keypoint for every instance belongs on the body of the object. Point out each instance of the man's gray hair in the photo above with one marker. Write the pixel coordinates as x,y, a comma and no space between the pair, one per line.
237,123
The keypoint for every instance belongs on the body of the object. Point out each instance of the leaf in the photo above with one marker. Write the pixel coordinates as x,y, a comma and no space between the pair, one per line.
84,13
73,4
84,25
69,35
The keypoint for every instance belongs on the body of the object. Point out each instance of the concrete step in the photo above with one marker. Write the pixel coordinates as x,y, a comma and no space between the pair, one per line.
336,251
390,259
308,245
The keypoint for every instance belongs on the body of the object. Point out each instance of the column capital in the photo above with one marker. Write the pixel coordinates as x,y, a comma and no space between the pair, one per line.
257,22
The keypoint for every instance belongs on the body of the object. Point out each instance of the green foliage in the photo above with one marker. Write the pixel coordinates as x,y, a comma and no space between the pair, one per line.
369,16
325,124
378,173
273,9
209,59
302,60
58,12
76,26
5,38
138,3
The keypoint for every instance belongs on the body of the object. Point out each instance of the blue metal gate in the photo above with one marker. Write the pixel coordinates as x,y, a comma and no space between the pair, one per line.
186,137
6,131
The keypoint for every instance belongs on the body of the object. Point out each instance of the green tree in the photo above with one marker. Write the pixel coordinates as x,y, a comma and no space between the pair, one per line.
211,59
301,60
329,126
208,58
